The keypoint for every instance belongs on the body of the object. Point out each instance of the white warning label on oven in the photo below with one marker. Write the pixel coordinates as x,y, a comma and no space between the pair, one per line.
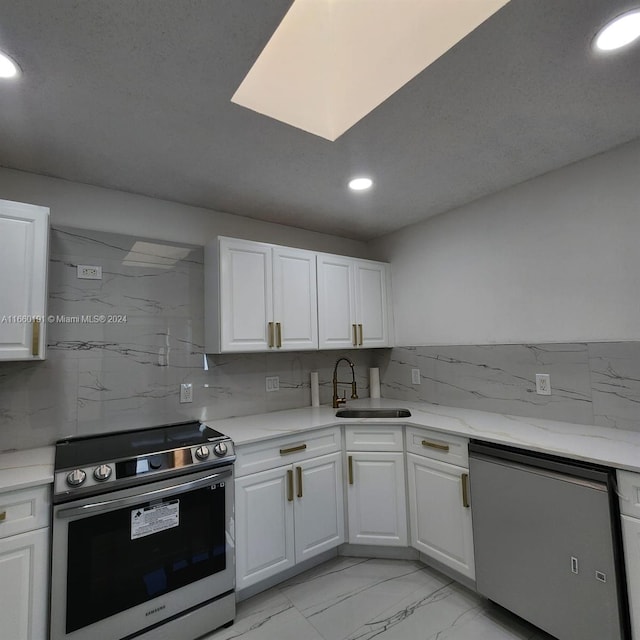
148,520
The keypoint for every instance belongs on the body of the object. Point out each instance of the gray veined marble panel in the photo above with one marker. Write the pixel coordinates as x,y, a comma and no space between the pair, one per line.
116,394
172,287
293,375
498,378
233,385
615,378
395,374
37,402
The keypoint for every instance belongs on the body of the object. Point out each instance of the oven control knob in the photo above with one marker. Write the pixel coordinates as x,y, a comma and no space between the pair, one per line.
76,478
202,453
220,449
102,473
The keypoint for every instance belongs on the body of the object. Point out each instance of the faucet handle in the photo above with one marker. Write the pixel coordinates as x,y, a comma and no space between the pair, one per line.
342,400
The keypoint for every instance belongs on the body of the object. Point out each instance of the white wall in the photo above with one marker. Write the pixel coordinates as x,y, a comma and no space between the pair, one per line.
555,259
79,205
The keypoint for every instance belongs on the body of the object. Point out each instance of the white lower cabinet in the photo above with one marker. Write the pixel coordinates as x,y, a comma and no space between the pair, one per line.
264,526
440,521
286,515
23,581
376,497
24,564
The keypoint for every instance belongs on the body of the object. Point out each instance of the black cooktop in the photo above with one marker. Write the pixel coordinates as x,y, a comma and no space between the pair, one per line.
77,452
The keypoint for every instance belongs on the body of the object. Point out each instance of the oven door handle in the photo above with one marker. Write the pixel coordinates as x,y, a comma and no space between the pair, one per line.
110,505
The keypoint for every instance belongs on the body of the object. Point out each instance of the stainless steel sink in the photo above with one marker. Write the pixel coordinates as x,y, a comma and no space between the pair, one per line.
373,413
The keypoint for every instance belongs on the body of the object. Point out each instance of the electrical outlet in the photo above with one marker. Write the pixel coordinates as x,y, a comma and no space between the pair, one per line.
273,383
89,272
186,392
415,376
543,384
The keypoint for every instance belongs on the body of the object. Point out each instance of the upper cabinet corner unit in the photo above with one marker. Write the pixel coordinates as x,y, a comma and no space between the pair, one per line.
24,249
259,297
265,297
353,303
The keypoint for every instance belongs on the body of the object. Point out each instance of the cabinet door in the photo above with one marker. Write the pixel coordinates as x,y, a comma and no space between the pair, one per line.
631,540
264,525
440,523
245,295
24,244
295,301
336,302
377,511
371,304
319,505
23,585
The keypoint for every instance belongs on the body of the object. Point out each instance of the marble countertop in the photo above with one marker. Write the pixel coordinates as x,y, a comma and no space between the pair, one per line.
602,445
27,468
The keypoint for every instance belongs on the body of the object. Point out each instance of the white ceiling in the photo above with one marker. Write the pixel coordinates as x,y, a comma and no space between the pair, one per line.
135,95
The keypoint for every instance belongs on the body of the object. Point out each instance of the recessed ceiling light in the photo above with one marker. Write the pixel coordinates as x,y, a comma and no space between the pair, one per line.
360,184
620,32
8,68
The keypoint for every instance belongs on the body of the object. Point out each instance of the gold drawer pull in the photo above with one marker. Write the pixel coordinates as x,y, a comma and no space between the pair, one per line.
465,490
3,516
300,447
278,335
360,329
299,471
350,461
355,335
435,445
270,335
290,485
35,338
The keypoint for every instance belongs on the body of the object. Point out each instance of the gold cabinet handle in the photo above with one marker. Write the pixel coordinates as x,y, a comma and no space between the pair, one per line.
435,445
3,516
300,447
350,465
278,335
360,329
299,474
465,490
290,485
35,338
355,335
270,335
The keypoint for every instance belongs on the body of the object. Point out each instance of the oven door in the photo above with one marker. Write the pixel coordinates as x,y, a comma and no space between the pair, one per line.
131,559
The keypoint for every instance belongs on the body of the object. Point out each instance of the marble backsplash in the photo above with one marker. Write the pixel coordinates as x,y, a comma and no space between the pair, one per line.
101,377
591,383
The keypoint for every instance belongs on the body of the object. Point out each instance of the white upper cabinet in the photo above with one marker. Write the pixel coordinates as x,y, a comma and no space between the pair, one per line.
372,306
263,297
353,303
295,300
259,297
24,250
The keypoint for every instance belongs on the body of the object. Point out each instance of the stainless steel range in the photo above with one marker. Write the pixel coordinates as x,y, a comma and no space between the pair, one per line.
143,541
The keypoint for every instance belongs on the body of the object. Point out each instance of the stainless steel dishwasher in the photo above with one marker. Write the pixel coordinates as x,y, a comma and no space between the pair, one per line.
547,541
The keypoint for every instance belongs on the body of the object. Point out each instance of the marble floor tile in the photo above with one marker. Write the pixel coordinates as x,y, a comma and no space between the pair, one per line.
267,616
363,598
